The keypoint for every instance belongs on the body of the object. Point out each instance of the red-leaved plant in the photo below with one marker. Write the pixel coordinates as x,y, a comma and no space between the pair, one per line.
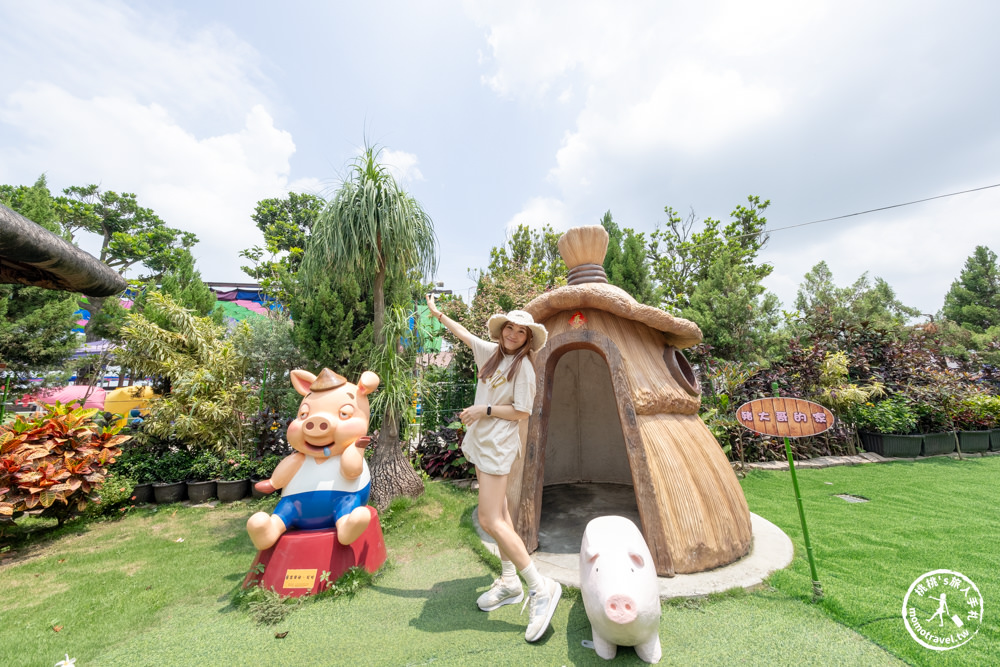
52,464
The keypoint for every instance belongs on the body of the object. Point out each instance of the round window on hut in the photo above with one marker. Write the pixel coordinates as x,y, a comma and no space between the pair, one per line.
680,369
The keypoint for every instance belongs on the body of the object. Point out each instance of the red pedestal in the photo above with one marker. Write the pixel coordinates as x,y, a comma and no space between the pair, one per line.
303,562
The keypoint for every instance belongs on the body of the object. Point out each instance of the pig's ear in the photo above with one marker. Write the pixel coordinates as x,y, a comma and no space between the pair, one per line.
636,559
591,554
368,383
301,380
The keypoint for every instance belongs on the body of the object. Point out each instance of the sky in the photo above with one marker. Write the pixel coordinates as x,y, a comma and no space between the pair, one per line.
494,114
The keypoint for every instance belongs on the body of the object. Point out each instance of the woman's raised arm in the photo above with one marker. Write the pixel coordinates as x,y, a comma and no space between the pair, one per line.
461,332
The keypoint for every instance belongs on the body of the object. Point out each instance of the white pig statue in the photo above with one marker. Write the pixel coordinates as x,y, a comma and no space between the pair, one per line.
620,591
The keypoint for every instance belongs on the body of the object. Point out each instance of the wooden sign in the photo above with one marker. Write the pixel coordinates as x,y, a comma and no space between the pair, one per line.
785,417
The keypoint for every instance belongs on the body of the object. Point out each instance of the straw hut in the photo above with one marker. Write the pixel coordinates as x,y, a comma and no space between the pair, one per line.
617,402
32,255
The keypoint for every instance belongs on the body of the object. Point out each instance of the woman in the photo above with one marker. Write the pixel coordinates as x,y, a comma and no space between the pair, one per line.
505,394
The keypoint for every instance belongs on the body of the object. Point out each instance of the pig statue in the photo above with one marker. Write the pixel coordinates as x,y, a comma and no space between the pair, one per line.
325,482
619,587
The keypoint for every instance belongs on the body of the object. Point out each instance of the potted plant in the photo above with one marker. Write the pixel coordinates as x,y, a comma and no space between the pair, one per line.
172,469
234,476
888,427
139,464
260,469
933,422
975,419
203,476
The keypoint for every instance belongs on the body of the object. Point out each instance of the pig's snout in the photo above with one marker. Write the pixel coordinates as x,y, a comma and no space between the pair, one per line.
621,609
318,427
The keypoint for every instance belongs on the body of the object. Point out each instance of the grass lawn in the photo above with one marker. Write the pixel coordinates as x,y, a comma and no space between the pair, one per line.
937,513
157,587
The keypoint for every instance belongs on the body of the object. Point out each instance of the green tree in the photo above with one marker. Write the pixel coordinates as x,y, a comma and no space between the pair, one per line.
130,234
863,301
333,323
33,202
737,317
286,225
375,230
209,403
626,263
681,258
270,352
974,299
534,252
36,330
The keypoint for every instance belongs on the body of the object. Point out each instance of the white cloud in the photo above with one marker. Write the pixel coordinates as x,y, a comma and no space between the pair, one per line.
813,105
205,185
402,165
541,211
175,116
109,48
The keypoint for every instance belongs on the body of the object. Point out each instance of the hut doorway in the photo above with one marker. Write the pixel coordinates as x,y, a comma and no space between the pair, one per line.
584,442
587,472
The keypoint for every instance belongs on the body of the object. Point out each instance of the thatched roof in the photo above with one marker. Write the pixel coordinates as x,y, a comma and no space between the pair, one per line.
681,333
32,255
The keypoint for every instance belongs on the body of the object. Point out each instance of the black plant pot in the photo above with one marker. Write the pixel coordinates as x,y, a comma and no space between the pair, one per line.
229,490
169,492
200,492
974,441
936,444
143,494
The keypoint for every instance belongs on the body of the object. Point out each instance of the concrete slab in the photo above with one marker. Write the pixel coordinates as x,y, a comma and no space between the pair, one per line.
567,508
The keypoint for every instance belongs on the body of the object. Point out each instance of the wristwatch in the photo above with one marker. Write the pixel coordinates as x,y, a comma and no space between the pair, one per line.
489,410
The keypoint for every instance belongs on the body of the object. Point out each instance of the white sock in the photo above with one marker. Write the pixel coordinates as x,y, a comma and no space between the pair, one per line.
509,573
535,581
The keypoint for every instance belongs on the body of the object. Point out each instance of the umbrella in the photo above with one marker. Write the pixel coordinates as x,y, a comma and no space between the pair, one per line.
77,392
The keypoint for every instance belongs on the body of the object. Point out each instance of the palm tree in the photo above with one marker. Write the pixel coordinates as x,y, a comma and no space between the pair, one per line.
376,231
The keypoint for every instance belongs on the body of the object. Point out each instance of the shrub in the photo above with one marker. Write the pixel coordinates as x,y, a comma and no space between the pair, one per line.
235,465
138,462
173,465
439,453
116,495
263,467
977,413
209,401
204,467
53,464
268,428
893,415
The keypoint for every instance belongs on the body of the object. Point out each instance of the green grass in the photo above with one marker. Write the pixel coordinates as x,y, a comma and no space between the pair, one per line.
921,516
129,593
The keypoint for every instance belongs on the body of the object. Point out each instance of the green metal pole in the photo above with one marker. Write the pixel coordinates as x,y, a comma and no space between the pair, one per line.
3,405
817,588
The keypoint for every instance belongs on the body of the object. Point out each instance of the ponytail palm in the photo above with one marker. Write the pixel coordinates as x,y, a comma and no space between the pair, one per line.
373,230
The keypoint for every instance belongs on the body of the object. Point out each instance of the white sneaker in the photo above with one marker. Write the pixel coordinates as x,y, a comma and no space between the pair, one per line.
500,594
542,604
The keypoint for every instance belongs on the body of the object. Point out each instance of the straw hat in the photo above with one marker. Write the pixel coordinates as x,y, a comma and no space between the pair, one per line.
538,333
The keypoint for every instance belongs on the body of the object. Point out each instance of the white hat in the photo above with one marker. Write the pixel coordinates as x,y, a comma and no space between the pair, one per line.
538,333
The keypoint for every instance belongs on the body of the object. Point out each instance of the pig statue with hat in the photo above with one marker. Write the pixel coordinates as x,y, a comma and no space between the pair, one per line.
325,482
619,587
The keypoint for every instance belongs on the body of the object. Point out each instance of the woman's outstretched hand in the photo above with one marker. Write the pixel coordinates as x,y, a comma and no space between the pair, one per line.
435,311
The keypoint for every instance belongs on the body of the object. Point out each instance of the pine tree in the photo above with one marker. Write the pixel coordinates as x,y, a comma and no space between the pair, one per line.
974,299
